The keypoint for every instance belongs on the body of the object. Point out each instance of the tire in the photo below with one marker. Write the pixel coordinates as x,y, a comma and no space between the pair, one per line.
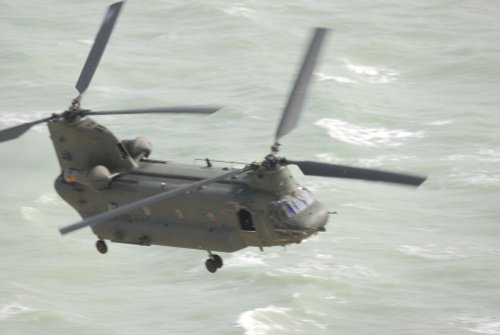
211,265
218,261
101,246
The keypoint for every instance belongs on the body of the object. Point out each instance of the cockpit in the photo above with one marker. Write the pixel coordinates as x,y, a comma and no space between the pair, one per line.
294,204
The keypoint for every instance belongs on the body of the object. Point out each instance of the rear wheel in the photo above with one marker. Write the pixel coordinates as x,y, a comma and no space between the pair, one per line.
211,265
218,261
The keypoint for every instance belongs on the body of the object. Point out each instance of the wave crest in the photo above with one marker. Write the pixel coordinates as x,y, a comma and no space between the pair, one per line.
365,136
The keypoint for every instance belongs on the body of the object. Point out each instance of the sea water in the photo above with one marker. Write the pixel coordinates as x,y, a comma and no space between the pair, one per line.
408,86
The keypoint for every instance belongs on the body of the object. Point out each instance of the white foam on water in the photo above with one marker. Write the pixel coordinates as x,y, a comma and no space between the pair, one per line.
356,271
439,123
482,155
29,213
338,79
360,206
49,199
432,251
478,324
87,42
489,155
380,160
272,319
324,257
483,179
476,178
238,10
456,157
246,259
366,136
12,309
336,299
259,321
372,74
328,157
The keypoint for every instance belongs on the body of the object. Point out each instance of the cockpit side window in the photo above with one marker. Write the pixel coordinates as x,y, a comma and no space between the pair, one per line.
295,204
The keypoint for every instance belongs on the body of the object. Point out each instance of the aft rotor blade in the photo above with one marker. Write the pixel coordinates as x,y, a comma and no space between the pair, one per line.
98,47
194,187
16,131
297,96
344,171
158,110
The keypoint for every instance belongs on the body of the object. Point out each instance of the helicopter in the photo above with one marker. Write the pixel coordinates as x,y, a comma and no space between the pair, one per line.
126,197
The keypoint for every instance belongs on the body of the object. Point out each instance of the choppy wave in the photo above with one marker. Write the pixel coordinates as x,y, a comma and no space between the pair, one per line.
260,321
12,309
432,251
29,213
49,199
40,206
324,269
380,160
366,136
361,206
248,259
372,74
265,320
362,73
482,155
366,162
238,10
339,79
466,169
439,123
477,178
478,324
87,42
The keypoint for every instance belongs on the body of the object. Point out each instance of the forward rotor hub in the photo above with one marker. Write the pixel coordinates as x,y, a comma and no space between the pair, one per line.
271,162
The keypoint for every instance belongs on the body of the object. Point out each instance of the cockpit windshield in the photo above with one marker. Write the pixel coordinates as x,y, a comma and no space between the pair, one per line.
294,204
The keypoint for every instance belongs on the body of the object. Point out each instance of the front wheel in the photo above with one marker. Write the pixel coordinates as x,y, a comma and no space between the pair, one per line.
101,246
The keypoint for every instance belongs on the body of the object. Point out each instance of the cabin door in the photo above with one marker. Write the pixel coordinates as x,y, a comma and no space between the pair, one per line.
246,220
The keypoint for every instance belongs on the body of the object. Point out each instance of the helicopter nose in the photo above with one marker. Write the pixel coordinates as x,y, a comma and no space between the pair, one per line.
315,217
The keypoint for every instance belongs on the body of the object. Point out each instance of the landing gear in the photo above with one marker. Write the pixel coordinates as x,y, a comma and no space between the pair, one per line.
101,246
218,261
213,263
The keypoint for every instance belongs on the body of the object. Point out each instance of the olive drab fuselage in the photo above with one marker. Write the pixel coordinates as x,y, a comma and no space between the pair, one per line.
260,208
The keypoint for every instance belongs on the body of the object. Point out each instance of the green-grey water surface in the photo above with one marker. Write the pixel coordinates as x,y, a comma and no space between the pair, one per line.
403,85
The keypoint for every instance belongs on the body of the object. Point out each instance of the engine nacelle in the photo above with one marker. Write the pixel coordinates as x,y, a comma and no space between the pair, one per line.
97,178
138,148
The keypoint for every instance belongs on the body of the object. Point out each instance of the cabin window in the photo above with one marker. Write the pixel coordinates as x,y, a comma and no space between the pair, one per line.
246,222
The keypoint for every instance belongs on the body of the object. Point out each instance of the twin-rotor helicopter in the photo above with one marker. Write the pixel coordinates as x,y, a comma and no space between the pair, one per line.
126,197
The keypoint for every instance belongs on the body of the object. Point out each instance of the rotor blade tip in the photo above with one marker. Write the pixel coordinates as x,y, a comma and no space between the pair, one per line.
63,231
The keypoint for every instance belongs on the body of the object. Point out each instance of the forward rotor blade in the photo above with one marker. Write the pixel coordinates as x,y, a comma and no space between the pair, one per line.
297,96
343,171
16,131
194,187
97,50
159,110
